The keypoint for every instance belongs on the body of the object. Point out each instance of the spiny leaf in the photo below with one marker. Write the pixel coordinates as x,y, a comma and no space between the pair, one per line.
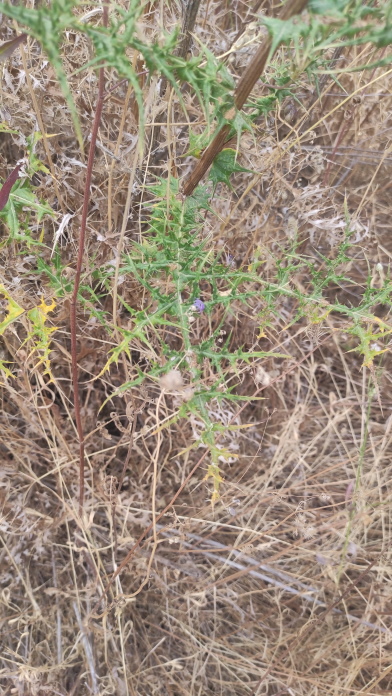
17,211
224,165
13,310
334,8
116,351
285,31
5,369
41,333
123,346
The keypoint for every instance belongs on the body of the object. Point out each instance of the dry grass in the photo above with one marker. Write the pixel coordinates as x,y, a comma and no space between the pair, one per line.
233,599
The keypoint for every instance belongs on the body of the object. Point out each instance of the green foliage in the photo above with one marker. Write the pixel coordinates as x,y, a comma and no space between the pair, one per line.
13,310
312,38
170,265
18,212
47,25
23,209
209,79
348,23
263,105
333,8
56,275
39,334
185,283
332,23
224,166
287,31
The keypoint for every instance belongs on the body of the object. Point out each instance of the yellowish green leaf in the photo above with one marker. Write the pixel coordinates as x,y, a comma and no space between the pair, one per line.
13,310
4,368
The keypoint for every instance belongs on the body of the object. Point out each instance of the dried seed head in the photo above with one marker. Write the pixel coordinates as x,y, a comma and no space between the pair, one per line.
172,381
187,393
261,376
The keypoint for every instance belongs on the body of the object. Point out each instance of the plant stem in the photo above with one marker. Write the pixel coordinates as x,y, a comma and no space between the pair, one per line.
241,93
188,25
79,263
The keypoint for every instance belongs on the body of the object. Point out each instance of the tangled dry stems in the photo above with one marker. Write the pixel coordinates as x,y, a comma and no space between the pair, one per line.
215,596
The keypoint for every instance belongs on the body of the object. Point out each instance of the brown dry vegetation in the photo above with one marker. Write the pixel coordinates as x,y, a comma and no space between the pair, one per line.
284,586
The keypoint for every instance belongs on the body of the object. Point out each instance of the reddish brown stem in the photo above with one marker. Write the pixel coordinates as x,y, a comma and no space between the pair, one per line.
242,92
7,186
79,264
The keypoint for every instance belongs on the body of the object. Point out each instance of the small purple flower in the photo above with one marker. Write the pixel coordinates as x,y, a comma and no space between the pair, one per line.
199,305
229,260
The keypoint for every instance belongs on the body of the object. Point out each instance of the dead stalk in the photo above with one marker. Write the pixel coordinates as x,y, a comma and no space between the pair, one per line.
241,93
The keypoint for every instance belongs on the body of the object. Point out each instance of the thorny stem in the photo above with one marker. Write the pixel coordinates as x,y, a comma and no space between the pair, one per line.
241,93
79,263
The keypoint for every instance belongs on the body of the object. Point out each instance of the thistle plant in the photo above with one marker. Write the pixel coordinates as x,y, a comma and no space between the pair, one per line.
185,281
195,336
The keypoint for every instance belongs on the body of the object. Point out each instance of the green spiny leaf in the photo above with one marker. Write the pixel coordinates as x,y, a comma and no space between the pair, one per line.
224,166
